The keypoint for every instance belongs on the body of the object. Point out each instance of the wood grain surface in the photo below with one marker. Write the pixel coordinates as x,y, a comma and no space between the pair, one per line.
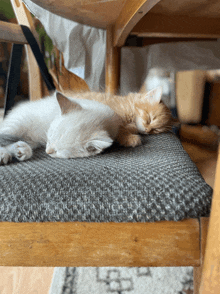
112,63
100,244
10,32
131,13
197,271
211,269
178,26
35,81
94,13
197,8
102,13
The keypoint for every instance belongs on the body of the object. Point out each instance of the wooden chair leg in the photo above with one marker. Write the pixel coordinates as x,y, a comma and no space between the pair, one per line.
211,269
24,18
112,65
197,271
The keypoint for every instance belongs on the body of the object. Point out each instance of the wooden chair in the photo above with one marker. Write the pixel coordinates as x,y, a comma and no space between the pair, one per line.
165,243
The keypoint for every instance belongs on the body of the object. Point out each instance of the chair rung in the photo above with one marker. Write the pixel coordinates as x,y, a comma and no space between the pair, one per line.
10,32
100,244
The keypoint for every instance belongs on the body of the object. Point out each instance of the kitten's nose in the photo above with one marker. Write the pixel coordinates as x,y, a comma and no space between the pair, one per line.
50,150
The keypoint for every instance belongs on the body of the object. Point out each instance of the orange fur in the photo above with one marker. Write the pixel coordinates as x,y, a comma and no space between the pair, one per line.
155,117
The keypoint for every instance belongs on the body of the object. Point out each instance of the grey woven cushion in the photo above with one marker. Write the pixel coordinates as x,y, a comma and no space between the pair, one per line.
156,181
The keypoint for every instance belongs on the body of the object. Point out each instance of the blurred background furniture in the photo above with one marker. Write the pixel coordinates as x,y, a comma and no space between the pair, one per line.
140,23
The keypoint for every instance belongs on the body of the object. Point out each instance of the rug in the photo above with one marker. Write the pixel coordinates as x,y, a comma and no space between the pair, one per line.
122,280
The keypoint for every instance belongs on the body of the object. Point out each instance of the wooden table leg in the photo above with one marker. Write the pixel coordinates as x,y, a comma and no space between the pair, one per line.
197,271
112,65
210,283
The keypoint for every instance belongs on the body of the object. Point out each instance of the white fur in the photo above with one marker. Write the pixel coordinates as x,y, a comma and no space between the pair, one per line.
5,155
154,96
20,150
78,133
31,120
140,125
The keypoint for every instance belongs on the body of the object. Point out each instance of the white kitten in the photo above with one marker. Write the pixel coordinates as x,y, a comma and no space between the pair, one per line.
68,128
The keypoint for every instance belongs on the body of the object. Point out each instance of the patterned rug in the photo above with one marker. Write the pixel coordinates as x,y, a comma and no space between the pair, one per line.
122,280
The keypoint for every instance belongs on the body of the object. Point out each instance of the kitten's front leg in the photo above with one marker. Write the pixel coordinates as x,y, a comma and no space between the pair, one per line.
128,137
20,150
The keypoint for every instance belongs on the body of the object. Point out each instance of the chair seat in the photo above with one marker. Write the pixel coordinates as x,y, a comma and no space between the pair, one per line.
153,182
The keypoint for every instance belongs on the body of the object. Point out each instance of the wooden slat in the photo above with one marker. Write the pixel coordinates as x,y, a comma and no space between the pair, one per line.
131,13
24,18
170,26
197,8
100,244
150,41
197,271
11,33
211,270
112,64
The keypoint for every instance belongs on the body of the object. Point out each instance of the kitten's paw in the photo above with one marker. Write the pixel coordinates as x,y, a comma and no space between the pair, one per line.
134,140
5,156
131,140
22,151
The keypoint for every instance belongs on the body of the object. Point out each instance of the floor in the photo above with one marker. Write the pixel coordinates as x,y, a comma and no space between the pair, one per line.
201,146
25,280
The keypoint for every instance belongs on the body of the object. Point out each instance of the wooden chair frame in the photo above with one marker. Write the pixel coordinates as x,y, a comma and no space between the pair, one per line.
115,244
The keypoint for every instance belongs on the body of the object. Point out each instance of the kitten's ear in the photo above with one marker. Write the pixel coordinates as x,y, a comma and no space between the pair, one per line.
66,105
154,96
98,144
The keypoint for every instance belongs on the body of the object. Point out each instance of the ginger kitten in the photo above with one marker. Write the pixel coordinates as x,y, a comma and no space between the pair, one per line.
80,125
142,113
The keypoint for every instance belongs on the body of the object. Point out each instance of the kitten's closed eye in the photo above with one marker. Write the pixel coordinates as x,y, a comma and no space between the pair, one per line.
148,118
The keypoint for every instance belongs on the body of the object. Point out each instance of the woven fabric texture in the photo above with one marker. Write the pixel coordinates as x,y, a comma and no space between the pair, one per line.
153,182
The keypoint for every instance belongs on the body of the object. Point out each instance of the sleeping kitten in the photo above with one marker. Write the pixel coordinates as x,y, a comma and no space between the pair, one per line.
67,127
141,113
78,127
